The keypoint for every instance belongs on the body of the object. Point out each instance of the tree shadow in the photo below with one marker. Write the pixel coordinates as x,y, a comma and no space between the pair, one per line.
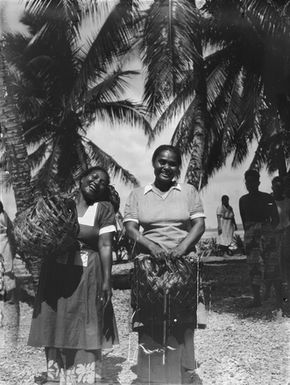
238,305
196,380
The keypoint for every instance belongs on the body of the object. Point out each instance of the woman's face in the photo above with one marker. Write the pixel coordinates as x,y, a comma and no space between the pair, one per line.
94,186
166,166
225,201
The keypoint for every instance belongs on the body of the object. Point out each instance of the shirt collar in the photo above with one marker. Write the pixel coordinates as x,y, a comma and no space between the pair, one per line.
149,187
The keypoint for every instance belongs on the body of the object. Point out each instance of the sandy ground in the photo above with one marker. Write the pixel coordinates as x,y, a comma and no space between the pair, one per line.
238,347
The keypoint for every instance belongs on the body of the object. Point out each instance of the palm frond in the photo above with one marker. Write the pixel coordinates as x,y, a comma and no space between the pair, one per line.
111,87
118,112
168,48
185,130
62,10
251,103
38,155
267,16
178,104
112,40
44,179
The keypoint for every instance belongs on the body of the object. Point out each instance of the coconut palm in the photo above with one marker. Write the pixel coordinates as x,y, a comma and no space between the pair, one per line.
246,72
64,82
173,55
11,130
252,60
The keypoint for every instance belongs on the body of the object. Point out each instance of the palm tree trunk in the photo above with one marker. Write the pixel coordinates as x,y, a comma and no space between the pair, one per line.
196,173
13,139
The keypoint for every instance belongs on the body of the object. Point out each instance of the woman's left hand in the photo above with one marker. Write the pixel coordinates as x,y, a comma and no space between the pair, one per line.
177,252
106,292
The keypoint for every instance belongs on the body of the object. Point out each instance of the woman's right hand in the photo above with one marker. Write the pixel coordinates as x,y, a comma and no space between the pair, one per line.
157,251
219,231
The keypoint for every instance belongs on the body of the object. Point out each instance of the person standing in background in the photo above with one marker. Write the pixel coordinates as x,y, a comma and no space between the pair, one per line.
283,207
260,218
226,225
280,188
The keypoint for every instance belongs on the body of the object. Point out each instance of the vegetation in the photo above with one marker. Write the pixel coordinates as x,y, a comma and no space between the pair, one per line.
63,81
225,72
222,70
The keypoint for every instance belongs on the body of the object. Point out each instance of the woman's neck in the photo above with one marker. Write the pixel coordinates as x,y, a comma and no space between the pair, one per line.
82,202
163,186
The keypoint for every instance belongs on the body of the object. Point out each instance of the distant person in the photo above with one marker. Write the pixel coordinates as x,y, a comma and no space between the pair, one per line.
281,194
283,207
226,225
260,218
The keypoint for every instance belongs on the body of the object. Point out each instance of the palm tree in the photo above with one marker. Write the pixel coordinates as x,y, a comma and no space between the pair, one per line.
63,83
243,77
11,130
173,55
248,79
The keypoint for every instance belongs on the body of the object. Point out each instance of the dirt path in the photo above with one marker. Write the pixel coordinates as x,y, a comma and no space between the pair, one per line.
238,347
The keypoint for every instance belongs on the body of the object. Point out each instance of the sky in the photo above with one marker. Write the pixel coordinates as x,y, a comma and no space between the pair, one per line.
128,145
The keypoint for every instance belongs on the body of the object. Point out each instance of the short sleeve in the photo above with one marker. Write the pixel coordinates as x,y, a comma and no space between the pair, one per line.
195,204
131,208
105,218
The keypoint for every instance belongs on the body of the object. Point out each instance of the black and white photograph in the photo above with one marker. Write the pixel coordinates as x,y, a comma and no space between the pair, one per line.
144,192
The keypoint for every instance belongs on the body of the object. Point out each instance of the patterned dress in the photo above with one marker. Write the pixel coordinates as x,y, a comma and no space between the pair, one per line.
69,319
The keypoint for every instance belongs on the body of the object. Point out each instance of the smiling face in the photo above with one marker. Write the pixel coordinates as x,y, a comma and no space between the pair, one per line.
166,167
94,186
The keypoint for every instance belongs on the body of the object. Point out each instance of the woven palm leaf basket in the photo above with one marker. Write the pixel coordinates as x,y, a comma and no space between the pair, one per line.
153,279
48,227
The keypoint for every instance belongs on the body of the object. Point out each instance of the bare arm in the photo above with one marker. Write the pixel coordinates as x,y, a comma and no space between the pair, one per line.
105,249
194,235
132,229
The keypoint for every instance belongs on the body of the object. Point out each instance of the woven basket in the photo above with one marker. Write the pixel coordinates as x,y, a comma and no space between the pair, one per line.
48,227
152,279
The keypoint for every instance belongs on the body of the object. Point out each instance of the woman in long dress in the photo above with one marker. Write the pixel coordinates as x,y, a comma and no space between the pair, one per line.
73,315
172,217
226,224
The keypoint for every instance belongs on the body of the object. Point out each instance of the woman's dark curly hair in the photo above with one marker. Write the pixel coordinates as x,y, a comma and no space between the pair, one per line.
111,193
